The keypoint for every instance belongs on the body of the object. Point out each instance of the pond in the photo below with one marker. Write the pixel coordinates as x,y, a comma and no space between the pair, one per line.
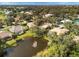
76,21
27,48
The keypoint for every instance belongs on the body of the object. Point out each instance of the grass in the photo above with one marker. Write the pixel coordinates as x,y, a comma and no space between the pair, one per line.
27,34
45,37
11,42
2,17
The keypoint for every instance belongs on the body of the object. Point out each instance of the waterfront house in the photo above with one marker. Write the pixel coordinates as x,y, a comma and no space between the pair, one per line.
5,35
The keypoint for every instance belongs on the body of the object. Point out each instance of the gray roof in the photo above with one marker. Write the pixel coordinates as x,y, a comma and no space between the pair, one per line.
4,34
16,29
58,30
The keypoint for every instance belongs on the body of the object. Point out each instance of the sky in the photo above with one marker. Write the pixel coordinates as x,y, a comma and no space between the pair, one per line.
39,3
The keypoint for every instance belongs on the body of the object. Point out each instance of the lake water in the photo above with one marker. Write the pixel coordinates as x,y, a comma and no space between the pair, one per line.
26,48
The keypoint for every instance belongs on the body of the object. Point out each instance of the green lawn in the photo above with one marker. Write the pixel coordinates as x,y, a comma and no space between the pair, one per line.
11,42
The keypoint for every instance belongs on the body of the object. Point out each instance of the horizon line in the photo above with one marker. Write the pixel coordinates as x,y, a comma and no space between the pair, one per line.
39,3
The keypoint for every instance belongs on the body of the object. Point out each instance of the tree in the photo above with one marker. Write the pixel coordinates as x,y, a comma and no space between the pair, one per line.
39,33
2,46
59,45
9,20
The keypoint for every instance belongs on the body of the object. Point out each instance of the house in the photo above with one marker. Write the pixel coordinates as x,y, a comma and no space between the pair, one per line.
17,18
47,15
5,35
61,26
7,12
29,12
22,12
66,20
58,31
16,29
77,16
45,26
76,38
31,24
